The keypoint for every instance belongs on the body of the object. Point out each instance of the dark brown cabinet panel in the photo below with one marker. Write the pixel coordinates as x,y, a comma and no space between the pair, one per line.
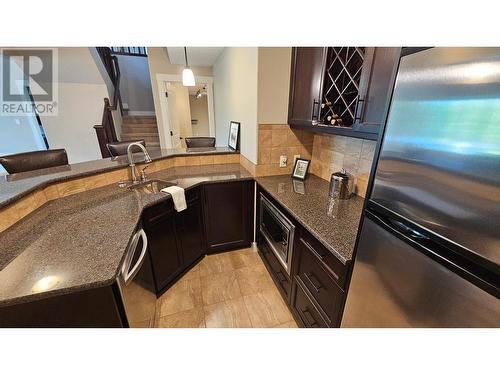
353,85
190,229
305,85
164,248
319,282
228,211
309,316
281,279
93,308
375,88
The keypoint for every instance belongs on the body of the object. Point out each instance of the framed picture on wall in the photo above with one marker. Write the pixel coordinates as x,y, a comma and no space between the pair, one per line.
234,134
300,169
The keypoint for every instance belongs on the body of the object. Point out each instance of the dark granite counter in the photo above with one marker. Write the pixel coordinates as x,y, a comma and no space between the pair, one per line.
13,187
333,222
80,240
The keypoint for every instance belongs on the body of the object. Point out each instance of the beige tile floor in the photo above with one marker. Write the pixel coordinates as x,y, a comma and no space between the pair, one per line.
227,290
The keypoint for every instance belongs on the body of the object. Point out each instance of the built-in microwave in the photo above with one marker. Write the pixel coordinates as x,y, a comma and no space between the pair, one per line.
277,231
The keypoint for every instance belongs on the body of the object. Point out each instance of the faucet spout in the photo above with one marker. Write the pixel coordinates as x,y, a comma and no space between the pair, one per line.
130,157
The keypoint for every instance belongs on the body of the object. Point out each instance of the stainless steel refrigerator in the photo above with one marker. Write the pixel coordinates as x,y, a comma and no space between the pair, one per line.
428,253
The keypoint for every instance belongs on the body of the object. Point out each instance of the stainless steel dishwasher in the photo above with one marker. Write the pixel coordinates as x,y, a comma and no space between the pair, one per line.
136,283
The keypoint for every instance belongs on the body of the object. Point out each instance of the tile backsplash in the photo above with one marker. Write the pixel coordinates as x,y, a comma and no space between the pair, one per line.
331,153
277,140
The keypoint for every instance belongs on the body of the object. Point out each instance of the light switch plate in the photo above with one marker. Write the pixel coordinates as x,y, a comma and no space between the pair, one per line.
295,157
283,161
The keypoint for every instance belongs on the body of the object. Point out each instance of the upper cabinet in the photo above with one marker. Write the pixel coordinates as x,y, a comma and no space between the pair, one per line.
341,90
305,85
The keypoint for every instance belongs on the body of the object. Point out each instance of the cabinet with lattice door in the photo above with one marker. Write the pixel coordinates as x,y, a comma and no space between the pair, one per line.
353,91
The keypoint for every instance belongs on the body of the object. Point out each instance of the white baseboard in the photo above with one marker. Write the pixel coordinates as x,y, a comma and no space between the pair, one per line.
141,113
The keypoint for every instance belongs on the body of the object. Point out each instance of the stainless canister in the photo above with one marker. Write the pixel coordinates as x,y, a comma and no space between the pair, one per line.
341,184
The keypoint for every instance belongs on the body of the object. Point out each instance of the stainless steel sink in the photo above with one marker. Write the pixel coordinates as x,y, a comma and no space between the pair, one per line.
151,186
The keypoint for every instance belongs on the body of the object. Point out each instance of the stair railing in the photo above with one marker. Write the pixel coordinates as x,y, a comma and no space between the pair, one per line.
105,131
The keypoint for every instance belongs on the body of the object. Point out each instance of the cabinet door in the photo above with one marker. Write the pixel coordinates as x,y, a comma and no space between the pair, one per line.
305,85
164,250
190,230
228,215
375,88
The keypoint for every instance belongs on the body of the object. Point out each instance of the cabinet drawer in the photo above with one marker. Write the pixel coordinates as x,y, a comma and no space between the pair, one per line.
156,213
306,310
328,260
320,283
279,275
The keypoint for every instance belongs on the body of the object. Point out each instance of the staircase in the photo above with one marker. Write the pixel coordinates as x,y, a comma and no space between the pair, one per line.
141,127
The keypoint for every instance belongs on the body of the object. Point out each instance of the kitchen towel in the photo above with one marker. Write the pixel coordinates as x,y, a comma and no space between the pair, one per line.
178,196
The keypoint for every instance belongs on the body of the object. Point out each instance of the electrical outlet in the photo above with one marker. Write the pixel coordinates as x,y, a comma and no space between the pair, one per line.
283,161
295,157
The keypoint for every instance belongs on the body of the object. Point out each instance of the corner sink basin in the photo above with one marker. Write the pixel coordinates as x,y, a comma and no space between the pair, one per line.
151,186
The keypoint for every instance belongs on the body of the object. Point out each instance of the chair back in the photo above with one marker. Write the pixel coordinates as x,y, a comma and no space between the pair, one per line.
33,160
192,142
120,148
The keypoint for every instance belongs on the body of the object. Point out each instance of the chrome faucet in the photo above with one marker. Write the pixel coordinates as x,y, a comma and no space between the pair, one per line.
130,156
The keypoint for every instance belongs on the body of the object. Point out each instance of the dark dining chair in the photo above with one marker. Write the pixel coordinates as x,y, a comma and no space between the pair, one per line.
193,142
120,148
30,161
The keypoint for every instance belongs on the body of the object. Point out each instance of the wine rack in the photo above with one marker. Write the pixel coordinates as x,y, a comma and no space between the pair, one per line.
344,66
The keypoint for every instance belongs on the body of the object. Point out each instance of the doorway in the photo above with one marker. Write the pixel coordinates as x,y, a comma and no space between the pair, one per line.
186,111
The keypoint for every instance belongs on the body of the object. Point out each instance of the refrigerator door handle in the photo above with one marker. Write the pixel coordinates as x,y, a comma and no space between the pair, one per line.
406,230
401,228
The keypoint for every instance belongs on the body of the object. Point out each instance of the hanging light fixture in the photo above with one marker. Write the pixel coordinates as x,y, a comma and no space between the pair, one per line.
187,73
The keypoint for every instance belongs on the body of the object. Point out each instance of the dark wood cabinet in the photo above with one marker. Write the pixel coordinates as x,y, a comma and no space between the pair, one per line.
375,88
319,279
166,255
346,89
305,85
228,212
190,229
314,289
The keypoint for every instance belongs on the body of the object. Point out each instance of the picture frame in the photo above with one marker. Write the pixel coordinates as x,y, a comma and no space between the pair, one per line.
234,135
300,169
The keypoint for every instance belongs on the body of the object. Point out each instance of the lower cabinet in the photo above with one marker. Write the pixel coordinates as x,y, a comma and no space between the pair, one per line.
218,217
228,213
189,228
316,283
314,290
166,255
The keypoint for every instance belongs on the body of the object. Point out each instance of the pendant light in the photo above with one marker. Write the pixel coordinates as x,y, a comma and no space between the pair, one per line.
187,73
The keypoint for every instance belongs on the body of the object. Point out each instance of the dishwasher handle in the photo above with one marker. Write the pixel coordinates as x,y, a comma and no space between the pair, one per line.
127,273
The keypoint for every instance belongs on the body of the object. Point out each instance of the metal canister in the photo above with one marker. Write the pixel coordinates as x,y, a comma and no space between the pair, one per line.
341,184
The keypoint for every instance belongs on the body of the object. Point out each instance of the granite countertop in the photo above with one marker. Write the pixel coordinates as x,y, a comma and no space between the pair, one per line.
13,187
81,239
333,222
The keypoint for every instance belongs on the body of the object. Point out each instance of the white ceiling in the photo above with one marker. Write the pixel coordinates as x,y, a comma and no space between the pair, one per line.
197,56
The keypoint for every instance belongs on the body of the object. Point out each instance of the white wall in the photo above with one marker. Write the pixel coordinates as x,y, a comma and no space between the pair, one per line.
274,84
199,111
135,86
80,108
235,97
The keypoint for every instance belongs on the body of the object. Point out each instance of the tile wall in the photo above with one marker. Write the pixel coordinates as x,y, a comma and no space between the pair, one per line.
331,153
277,140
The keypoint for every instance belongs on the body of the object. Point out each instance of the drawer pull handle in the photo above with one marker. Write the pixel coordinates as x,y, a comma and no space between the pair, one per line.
313,250
319,256
310,321
313,281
